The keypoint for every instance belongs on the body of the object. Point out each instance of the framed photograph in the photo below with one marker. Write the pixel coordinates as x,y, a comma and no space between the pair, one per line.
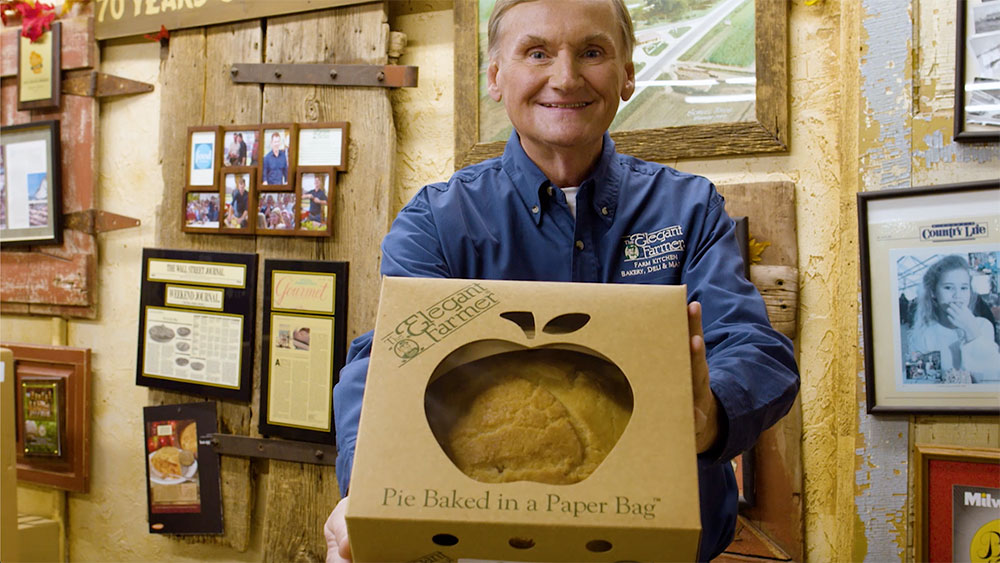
30,184
39,70
238,200
316,187
711,80
203,157
957,494
52,414
183,485
240,146
277,161
930,279
196,322
276,213
323,144
977,71
304,342
201,212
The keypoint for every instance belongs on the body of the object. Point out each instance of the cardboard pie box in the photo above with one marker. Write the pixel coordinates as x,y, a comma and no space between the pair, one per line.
409,501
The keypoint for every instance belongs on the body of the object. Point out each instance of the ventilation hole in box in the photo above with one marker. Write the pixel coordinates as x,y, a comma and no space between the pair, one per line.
444,539
521,543
598,546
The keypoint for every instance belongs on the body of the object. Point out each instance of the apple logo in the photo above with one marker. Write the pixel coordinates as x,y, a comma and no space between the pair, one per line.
541,409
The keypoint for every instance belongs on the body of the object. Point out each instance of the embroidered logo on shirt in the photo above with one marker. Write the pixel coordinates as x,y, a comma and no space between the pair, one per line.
646,253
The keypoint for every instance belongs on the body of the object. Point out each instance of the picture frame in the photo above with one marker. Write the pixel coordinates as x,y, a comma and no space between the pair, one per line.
237,186
67,371
323,144
39,70
313,216
196,322
767,131
977,71
30,184
183,481
240,146
276,213
955,488
42,420
203,212
202,158
305,326
277,161
930,303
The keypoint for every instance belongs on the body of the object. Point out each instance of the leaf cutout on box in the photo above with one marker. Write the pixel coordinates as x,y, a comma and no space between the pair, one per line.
565,324
523,319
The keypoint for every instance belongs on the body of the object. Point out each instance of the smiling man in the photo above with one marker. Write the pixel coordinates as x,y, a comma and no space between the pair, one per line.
562,205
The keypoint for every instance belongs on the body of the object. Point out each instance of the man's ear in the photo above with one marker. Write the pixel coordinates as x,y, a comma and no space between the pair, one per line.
628,85
491,80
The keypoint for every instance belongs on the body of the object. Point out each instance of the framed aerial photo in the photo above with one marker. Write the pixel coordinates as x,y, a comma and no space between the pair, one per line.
30,184
957,497
203,157
183,485
711,80
304,342
277,160
196,322
323,144
316,185
930,278
977,71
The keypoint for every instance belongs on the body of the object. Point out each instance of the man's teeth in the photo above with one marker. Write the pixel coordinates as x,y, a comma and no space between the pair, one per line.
576,105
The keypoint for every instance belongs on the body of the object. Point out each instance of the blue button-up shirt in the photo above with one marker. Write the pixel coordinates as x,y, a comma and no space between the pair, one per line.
636,222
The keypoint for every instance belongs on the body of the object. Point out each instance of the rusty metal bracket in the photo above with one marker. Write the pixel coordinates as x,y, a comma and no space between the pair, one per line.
385,76
100,85
93,221
285,450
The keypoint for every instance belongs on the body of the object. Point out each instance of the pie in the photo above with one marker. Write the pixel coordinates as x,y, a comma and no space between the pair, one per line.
189,438
166,461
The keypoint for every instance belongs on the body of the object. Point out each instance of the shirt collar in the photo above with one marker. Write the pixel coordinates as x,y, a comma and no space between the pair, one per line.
529,180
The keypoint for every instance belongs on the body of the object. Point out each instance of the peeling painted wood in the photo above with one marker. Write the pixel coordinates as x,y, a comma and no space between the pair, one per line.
78,50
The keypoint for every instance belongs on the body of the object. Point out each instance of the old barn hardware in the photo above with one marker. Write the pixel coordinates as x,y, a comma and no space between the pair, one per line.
319,74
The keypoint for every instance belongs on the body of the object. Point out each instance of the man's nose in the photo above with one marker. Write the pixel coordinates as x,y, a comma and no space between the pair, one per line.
565,72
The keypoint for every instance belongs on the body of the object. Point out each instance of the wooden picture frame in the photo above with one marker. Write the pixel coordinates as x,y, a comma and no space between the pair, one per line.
39,70
322,145
956,491
229,185
276,213
69,370
767,133
920,355
247,155
202,210
977,36
269,172
302,298
30,184
309,209
202,158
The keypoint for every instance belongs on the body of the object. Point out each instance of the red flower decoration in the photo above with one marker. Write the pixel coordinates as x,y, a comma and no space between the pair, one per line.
163,34
36,18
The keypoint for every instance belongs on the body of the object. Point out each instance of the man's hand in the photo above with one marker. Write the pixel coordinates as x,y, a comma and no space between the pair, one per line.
338,550
706,408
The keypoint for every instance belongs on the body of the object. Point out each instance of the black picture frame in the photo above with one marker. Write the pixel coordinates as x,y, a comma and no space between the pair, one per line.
296,298
28,217
964,60
183,481
184,295
902,234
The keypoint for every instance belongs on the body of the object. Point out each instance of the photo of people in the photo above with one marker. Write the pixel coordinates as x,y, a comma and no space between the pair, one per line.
240,148
314,214
202,210
237,200
276,211
274,168
948,306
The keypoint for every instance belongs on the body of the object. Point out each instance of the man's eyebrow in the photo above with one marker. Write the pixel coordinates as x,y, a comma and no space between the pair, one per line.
598,37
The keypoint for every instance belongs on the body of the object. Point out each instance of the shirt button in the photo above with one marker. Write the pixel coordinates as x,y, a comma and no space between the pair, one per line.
534,209
551,191
604,211
579,245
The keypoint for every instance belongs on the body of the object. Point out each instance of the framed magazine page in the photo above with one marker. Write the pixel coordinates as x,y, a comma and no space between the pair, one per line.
957,495
202,157
977,71
30,184
930,277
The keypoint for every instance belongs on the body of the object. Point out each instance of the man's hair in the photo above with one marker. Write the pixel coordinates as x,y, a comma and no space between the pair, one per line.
276,134
621,14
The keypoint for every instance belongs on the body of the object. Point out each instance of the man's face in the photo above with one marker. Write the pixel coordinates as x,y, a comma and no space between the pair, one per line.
319,183
560,71
276,144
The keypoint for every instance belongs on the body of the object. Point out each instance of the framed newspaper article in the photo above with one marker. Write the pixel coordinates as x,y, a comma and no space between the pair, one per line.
930,277
304,342
196,322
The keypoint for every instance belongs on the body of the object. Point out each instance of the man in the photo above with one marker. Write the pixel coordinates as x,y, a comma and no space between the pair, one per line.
562,205
317,200
276,163
238,209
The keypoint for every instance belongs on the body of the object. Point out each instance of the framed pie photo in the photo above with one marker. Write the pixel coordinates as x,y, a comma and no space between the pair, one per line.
240,146
30,184
957,495
203,157
930,280
323,144
277,160
238,200
977,71
316,187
